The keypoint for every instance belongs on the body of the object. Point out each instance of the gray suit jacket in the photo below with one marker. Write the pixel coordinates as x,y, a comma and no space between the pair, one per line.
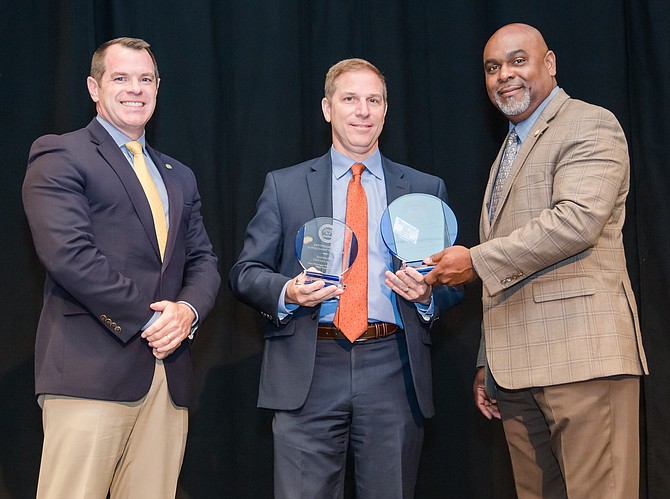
557,300
94,233
291,197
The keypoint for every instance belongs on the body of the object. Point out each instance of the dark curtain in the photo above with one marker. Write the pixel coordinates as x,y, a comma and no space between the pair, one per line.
240,95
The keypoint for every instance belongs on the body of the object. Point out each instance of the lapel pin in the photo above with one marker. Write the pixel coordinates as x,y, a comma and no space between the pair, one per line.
537,133
168,166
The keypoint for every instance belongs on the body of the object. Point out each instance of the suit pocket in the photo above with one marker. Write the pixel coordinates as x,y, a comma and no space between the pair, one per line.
62,302
536,178
559,289
280,332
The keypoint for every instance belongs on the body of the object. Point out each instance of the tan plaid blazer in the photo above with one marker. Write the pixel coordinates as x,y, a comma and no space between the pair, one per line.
557,300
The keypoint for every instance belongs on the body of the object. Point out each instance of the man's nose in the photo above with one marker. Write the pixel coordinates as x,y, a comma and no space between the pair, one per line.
135,86
505,73
362,109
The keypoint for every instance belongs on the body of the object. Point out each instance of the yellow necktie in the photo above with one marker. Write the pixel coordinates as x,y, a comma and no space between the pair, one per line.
351,316
151,192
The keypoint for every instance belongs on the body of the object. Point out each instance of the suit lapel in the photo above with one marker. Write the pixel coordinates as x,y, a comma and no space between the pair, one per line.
539,127
115,158
484,222
319,185
396,184
175,199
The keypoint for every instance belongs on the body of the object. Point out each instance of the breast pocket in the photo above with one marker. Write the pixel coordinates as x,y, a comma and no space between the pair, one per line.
536,178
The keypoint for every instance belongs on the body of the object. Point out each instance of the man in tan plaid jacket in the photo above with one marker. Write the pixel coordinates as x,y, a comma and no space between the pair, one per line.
561,353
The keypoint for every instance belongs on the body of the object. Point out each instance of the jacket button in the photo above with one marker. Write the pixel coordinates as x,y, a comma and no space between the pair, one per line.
117,329
103,317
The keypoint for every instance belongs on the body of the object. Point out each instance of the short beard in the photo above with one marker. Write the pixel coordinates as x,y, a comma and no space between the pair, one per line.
512,107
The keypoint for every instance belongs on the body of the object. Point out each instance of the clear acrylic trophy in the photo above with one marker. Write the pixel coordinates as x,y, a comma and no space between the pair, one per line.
416,226
326,248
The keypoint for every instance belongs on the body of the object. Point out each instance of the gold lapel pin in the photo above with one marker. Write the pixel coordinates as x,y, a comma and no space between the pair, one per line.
168,166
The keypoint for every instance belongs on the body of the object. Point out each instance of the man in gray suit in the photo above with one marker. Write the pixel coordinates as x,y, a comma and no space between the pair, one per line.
329,393
129,277
561,338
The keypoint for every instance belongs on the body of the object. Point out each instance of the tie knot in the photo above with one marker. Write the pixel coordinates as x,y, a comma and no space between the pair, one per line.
512,136
357,168
134,147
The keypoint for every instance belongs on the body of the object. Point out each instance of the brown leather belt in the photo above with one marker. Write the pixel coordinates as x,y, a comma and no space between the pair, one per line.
374,330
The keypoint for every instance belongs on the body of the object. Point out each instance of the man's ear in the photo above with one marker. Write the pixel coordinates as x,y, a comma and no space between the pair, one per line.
93,87
550,62
325,107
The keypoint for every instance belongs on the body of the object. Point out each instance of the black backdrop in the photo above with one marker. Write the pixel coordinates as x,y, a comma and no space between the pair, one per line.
240,92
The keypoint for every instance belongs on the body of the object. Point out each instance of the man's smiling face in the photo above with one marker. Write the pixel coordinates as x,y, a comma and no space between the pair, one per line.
520,71
126,93
356,113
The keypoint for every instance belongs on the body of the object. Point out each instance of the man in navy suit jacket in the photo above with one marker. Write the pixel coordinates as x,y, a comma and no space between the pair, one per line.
112,357
330,394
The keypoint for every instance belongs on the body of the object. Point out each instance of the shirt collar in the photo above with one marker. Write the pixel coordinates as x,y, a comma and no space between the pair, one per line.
342,163
119,137
524,127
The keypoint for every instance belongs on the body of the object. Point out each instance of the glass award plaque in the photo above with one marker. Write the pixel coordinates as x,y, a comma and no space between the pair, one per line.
416,226
326,248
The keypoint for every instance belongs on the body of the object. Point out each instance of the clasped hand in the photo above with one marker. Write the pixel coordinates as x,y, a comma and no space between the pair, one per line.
170,328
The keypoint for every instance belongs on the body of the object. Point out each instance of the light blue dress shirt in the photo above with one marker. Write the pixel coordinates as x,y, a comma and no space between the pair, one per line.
382,305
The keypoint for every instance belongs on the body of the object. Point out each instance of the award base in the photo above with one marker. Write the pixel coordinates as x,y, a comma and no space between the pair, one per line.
330,280
419,266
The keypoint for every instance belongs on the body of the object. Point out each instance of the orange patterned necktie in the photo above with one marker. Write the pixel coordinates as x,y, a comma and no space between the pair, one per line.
151,192
352,312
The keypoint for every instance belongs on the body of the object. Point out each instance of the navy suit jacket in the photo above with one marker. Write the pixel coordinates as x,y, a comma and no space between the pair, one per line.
93,232
291,197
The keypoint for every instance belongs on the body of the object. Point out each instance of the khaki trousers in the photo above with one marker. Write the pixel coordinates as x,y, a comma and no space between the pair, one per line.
133,450
577,440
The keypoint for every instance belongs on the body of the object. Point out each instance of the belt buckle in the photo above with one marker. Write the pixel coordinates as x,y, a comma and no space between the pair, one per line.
379,329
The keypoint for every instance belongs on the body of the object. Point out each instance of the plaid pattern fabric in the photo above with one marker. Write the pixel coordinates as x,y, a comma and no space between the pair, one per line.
557,300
